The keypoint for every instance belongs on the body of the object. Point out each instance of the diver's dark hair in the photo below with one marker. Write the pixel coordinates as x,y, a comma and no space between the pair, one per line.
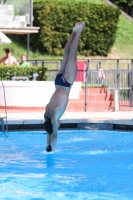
48,126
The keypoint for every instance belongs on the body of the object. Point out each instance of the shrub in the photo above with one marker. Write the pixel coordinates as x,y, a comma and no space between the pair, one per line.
57,18
94,85
6,72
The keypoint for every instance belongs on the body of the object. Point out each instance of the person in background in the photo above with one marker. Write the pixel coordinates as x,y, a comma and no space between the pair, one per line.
63,83
24,62
8,59
101,75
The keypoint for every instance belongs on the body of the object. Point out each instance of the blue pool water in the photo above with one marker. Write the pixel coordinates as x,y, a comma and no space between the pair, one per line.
87,165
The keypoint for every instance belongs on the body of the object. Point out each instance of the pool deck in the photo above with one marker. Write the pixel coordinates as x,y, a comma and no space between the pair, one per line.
89,120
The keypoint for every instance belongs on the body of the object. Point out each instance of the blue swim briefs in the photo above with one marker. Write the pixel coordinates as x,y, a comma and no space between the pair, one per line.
60,80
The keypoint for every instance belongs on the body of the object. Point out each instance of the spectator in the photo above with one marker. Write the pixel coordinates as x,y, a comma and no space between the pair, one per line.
8,59
101,75
24,62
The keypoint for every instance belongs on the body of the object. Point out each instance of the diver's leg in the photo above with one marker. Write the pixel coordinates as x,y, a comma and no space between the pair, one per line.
71,65
66,53
67,48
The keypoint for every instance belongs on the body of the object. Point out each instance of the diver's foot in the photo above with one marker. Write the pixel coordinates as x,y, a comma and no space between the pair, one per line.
48,148
79,26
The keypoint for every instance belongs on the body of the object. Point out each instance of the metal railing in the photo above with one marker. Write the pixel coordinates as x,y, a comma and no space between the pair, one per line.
118,75
94,64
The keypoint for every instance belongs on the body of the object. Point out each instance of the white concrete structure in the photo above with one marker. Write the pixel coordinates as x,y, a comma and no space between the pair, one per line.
11,24
8,18
31,93
4,39
21,19
116,100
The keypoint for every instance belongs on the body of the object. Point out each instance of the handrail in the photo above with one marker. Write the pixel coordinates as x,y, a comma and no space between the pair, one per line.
5,109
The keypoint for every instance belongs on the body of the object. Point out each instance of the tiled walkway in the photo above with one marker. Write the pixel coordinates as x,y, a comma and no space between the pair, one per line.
36,117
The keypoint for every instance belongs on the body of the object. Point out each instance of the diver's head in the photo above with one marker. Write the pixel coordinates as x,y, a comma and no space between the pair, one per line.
48,126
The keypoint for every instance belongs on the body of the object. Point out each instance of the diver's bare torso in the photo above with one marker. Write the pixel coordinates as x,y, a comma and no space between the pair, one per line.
58,102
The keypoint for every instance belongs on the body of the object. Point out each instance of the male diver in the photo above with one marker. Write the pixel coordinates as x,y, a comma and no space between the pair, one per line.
63,83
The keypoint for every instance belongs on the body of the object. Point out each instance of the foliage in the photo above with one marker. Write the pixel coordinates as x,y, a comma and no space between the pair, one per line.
123,2
57,18
94,85
7,71
124,94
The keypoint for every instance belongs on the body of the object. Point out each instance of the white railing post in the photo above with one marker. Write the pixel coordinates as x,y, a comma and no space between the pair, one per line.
116,90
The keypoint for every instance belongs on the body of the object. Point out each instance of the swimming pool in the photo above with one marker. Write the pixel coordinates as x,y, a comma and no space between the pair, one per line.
87,164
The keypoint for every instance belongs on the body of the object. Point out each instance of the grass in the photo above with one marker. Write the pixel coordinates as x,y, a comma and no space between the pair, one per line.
91,1
122,48
18,50
123,45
